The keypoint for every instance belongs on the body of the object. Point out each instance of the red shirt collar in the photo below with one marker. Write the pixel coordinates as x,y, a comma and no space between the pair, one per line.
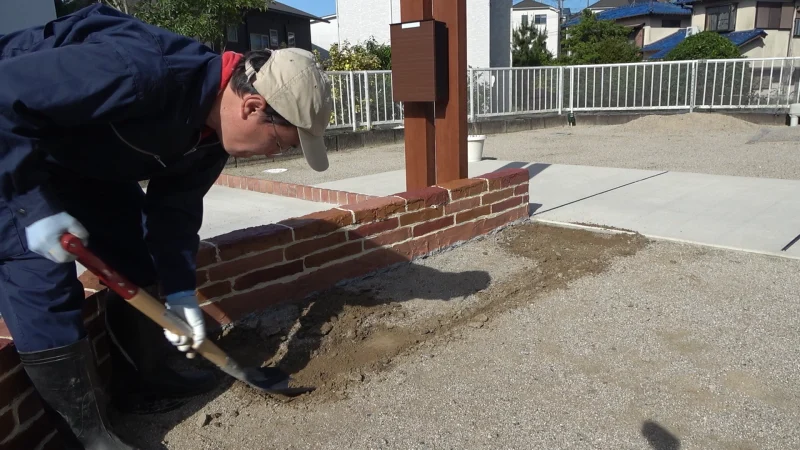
229,62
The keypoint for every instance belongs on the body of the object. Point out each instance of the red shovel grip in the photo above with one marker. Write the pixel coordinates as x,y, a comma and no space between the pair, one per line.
107,275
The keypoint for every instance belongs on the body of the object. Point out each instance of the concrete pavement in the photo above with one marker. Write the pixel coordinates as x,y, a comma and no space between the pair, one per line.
228,209
751,214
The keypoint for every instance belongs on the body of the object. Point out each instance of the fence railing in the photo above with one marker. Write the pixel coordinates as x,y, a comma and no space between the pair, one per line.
364,99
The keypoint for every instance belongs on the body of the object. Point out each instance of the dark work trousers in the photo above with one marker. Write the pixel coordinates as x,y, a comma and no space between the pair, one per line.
41,301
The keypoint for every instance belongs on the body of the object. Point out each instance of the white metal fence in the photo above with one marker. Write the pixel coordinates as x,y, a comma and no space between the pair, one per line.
364,99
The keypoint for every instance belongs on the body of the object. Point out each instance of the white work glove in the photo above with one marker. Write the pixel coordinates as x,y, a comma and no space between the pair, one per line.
186,307
44,236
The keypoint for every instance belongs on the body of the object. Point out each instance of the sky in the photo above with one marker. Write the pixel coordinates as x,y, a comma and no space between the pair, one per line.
325,7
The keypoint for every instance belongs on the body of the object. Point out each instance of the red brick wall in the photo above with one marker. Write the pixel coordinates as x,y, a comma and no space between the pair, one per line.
248,270
292,190
23,424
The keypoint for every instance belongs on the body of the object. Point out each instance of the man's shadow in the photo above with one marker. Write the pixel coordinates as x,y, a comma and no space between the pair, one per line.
258,338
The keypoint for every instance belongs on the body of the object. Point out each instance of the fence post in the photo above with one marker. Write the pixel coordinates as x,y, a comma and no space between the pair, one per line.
571,89
352,101
471,81
366,100
560,90
693,70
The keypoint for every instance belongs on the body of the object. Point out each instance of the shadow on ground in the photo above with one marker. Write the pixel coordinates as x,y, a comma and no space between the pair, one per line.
658,437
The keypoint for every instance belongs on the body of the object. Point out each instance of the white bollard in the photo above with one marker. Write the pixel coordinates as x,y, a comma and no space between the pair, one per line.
794,113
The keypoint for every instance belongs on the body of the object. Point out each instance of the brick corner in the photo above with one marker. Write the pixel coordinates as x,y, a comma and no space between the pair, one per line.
505,177
424,197
375,209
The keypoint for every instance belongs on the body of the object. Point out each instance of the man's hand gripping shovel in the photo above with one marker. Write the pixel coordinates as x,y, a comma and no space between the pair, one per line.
269,380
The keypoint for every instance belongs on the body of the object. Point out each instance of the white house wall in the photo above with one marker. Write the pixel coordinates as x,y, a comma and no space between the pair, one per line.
653,31
361,19
488,27
478,25
550,26
18,14
323,35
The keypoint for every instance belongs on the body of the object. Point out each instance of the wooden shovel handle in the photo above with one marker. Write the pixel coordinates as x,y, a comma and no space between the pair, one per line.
139,298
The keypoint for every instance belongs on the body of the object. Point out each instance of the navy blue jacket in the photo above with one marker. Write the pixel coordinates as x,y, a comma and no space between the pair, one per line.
110,97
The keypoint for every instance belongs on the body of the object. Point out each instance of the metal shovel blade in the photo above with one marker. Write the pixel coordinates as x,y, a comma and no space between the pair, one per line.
274,381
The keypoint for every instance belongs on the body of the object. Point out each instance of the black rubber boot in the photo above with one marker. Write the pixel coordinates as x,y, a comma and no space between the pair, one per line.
66,378
142,383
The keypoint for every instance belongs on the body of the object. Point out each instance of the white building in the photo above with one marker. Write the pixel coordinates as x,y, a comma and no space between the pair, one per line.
488,27
543,17
324,34
18,14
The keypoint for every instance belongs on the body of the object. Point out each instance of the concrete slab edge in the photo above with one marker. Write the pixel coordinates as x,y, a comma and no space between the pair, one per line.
655,237
292,190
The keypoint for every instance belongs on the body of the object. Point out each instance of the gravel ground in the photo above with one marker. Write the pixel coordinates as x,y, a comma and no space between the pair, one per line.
698,142
661,346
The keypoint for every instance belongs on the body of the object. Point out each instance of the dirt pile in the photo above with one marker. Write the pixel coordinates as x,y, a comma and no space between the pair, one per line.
350,334
699,123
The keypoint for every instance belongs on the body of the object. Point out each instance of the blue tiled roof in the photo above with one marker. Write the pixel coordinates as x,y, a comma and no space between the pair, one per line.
638,9
663,46
743,37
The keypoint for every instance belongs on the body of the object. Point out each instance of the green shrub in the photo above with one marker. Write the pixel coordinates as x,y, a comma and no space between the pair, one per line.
704,45
369,55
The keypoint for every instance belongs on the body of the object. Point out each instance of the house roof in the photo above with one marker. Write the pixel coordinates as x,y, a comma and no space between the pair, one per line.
286,9
325,19
610,4
746,36
663,46
636,10
531,4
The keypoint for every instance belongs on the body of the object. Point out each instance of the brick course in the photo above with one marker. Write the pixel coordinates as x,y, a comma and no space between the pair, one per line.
310,193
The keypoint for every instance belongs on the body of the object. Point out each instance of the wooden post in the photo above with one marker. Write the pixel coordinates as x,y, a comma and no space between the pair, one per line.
419,117
451,114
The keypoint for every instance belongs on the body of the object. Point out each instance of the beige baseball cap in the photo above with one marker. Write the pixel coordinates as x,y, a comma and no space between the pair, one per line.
295,86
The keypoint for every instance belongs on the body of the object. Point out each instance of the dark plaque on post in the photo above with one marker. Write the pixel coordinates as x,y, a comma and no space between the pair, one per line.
419,61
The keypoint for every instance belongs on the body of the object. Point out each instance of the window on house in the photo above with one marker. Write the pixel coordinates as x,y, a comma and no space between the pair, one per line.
721,18
273,39
774,16
290,39
796,27
259,41
540,19
524,20
670,23
233,33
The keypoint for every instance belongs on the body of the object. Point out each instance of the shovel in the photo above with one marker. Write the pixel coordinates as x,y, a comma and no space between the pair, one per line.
269,380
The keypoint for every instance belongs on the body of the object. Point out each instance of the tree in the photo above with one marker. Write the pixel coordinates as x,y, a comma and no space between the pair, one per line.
593,41
204,20
704,45
529,47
